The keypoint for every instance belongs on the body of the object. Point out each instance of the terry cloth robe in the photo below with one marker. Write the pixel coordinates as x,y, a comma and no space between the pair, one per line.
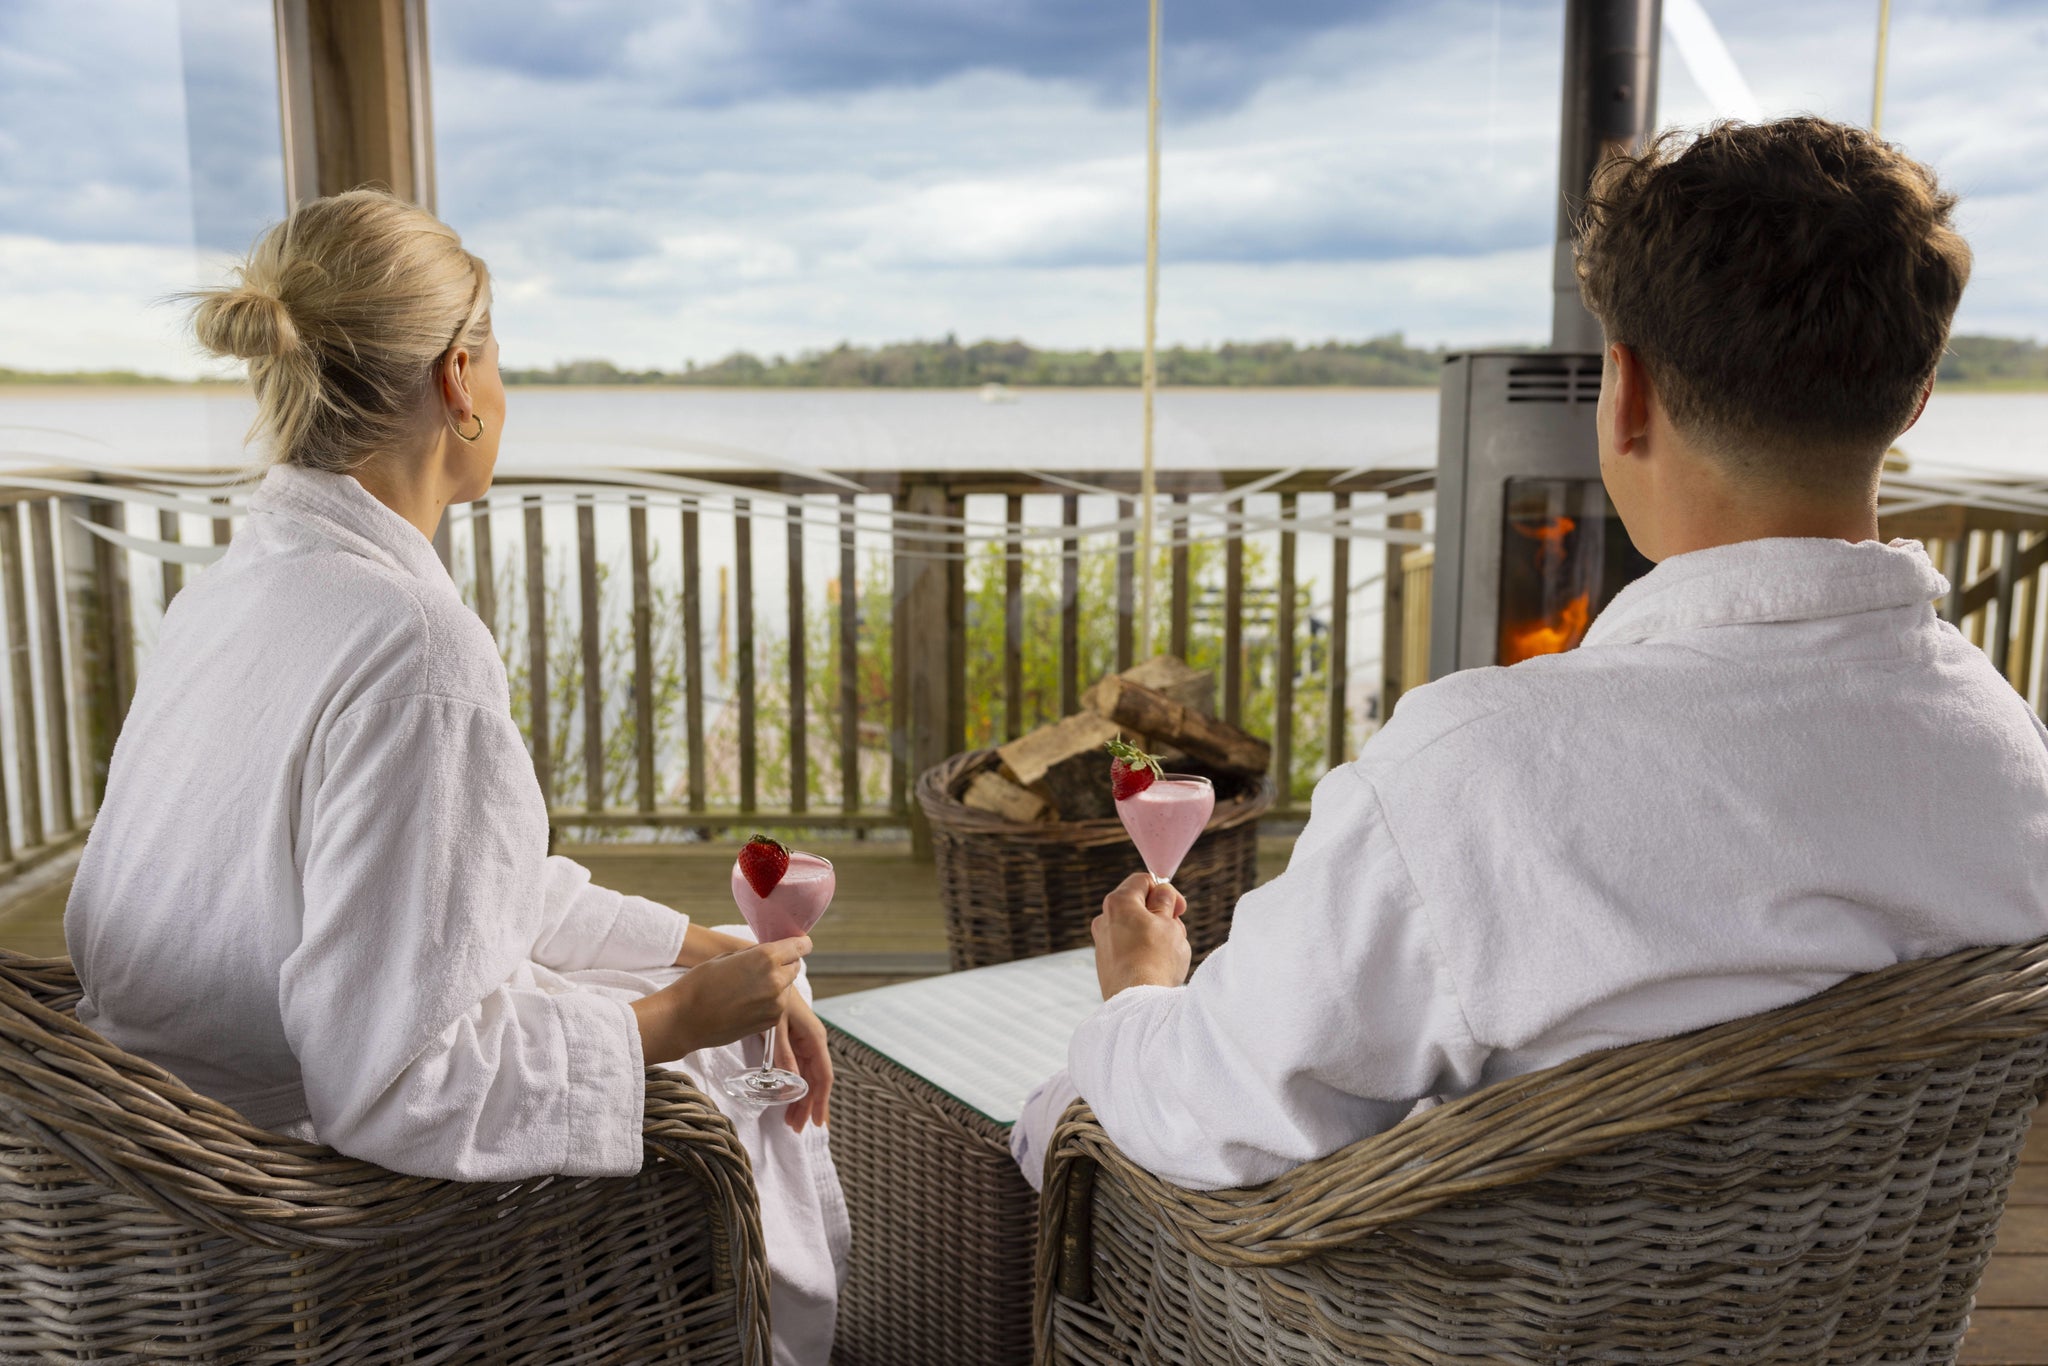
319,891
1768,767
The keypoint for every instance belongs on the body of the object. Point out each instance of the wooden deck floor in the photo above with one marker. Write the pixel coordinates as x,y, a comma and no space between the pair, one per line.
886,925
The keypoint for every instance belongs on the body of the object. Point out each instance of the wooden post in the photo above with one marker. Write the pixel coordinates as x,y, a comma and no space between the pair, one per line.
354,96
923,617
743,645
1339,669
849,659
799,739
693,656
1958,574
2008,584
1013,617
1126,605
486,565
1393,617
169,527
899,667
56,684
1233,617
593,663
21,671
1283,661
643,658
1180,608
1070,607
956,630
90,646
537,650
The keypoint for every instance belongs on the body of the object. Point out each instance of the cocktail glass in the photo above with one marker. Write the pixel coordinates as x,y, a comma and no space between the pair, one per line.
1166,819
791,907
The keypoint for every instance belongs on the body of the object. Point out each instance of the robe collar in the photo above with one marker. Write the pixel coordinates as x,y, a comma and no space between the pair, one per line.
1776,580
342,510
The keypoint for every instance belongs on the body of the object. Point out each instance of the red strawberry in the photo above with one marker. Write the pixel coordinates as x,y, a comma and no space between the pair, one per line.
1131,770
763,861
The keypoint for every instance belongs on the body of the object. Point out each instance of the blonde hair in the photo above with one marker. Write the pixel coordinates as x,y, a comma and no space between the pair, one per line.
343,312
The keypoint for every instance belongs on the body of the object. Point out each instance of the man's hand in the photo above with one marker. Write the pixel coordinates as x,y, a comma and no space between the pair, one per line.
800,1048
1139,937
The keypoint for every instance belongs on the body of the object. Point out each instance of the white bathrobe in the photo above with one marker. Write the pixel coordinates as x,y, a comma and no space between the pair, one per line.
1769,766
318,890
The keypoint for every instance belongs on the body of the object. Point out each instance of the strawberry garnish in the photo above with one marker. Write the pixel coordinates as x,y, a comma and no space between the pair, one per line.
763,861
1131,770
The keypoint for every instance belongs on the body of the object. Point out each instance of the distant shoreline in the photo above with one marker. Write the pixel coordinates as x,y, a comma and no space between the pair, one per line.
60,387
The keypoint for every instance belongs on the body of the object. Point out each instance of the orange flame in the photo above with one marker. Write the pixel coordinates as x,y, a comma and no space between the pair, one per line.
1551,533
1549,636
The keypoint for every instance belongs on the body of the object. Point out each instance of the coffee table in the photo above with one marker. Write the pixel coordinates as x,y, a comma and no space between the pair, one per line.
929,1077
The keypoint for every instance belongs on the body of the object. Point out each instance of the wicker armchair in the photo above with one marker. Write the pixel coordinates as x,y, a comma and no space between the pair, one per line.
140,1221
1822,1183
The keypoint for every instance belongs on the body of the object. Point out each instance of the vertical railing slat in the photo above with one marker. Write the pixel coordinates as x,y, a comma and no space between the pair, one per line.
1233,616
956,627
693,656
20,668
1126,586
2008,585
537,650
1394,617
899,656
486,564
799,737
849,659
1181,589
169,527
56,687
1070,608
1339,668
1283,660
591,627
643,658
743,643
1013,617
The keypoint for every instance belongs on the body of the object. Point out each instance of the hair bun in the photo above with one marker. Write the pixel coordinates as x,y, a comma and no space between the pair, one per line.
245,322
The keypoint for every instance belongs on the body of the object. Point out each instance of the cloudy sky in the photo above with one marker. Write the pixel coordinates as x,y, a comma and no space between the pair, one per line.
656,183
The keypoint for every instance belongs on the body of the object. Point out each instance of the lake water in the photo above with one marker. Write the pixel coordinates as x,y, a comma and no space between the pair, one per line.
878,429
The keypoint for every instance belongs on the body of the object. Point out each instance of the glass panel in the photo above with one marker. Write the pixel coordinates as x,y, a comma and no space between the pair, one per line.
1564,555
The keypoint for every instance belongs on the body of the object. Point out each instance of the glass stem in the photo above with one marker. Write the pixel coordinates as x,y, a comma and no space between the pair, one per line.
768,1058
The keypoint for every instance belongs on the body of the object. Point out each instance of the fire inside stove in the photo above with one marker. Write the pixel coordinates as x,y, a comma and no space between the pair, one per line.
1564,557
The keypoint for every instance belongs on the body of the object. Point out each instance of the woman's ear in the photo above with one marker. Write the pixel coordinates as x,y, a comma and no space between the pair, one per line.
455,371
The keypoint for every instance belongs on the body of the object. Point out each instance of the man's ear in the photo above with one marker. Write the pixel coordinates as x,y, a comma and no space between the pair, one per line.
1633,396
1926,392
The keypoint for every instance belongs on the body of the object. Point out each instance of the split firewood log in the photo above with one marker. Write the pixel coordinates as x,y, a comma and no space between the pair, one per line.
1191,687
1136,708
1064,763
992,792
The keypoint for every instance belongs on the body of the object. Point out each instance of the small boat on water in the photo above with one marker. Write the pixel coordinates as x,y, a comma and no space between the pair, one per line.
998,393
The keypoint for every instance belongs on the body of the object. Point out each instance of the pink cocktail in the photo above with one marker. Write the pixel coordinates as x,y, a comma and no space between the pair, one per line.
1165,820
791,907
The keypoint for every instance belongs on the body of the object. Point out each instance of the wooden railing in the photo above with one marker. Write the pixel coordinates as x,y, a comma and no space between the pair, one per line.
960,608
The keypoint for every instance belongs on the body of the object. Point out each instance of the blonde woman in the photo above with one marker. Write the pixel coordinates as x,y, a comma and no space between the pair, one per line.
319,887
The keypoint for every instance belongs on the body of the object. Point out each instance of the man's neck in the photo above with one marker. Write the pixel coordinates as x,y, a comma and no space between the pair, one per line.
1701,507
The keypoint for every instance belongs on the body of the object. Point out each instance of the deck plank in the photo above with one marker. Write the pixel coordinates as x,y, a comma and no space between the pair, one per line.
2007,1337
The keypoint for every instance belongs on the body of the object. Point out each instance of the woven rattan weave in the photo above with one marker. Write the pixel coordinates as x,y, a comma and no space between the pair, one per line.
1822,1183
1013,890
140,1221
943,1225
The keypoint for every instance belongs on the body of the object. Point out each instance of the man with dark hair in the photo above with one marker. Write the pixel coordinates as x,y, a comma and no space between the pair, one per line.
1768,767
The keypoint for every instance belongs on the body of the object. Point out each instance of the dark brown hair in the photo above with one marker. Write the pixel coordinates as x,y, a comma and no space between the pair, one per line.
1788,286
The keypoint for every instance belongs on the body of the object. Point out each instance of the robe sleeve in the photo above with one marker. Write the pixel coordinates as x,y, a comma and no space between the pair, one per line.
424,1042
587,926
1323,1019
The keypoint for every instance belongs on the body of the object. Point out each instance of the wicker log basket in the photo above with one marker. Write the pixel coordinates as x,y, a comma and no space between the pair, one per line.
140,1221
1015,890
1818,1184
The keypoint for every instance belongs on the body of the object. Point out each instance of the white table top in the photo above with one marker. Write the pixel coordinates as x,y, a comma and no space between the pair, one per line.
985,1037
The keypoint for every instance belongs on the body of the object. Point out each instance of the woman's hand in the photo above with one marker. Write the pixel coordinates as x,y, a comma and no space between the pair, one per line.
1140,939
800,1048
719,1000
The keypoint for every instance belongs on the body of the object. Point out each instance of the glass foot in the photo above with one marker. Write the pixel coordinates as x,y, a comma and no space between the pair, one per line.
766,1086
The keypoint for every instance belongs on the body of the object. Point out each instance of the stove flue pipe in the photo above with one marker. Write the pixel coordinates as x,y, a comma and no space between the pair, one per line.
1610,100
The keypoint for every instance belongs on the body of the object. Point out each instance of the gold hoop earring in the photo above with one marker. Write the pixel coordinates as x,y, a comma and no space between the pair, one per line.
471,437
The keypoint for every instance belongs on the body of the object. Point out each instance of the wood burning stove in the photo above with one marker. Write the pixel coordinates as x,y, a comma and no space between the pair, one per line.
1528,548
